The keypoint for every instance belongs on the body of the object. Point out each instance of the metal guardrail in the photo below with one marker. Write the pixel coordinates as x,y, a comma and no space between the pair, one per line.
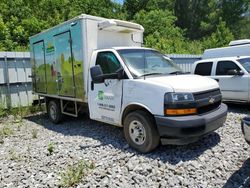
16,86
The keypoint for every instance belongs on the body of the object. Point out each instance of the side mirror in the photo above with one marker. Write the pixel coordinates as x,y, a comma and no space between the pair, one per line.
240,73
96,74
120,74
235,72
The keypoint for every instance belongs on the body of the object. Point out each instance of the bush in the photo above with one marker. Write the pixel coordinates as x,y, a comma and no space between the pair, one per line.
73,175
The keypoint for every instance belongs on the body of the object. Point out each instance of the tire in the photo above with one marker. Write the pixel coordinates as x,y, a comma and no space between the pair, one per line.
54,111
140,131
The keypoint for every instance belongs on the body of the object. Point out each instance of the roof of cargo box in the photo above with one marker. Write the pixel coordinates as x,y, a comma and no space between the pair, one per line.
120,26
239,42
230,58
104,24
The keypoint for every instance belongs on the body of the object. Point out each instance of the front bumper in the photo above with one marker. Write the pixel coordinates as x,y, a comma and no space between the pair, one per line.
181,130
245,126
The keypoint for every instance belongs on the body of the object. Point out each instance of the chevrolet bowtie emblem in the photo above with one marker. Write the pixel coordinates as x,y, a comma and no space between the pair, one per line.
211,100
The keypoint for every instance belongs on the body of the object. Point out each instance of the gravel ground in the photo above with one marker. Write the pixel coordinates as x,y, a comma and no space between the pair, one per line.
220,159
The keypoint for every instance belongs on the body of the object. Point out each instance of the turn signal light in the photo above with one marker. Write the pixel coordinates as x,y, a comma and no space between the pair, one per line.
187,111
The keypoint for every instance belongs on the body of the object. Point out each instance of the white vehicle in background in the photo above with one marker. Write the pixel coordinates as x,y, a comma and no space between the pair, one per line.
79,66
235,48
231,72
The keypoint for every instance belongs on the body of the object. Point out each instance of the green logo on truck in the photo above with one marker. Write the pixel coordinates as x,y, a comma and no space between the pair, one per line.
50,48
100,95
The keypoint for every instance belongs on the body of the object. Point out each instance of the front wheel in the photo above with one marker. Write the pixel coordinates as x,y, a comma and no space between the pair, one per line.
140,131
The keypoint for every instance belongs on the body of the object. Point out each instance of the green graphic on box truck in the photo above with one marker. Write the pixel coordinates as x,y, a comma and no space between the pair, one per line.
58,62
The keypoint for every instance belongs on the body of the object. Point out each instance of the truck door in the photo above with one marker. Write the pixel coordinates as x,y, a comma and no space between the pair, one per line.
105,98
64,64
232,86
40,67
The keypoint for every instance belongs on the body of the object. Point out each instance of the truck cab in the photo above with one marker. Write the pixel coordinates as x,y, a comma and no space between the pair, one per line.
147,94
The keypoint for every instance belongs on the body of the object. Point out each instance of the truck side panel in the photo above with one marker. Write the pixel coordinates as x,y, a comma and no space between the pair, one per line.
63,63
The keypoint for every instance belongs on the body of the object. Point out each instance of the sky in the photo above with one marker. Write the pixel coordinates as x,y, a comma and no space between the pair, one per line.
119,1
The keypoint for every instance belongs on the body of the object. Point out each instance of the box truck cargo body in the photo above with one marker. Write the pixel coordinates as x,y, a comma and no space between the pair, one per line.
235,48
61,54
99,65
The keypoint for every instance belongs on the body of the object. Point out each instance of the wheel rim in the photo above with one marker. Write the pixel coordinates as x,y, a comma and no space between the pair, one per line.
52,112
137,132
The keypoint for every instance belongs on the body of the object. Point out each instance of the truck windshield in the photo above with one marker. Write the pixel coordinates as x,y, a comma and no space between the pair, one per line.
245,62
144,62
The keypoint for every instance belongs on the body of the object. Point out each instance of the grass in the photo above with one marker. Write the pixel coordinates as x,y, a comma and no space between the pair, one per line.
50,148
34,133
25,111
3,112
6,131
20,112
74,173
14,156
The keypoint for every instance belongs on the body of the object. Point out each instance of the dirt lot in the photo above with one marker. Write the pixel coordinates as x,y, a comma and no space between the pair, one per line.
36,153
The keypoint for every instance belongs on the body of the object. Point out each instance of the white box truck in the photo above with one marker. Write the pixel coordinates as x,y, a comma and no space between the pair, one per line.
235,48
99,65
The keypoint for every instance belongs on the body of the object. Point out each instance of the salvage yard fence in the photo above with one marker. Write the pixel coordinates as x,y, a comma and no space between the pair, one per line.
185,61
16,85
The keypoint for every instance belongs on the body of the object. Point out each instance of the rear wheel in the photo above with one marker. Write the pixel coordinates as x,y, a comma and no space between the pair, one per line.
140,131
54,111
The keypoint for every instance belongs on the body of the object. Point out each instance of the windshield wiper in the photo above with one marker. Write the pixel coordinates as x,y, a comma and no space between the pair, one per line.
178,72
149,74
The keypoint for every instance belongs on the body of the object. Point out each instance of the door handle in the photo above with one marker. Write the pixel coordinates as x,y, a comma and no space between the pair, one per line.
92,85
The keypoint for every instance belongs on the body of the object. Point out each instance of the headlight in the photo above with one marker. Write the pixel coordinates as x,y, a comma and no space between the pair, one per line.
179,97
179,104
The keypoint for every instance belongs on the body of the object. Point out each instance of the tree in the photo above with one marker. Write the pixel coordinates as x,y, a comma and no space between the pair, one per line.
160,31
232,12
220,38
131,7
198,18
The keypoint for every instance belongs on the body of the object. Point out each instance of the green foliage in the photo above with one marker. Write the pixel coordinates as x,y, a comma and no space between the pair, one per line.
34,133
232,11
73,175
221,37
6,131
21,111
3,111
14,156
50,148
160,31
244,28
172,26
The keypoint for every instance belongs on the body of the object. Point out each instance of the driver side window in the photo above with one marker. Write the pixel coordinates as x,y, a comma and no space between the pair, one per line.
108,62
224,66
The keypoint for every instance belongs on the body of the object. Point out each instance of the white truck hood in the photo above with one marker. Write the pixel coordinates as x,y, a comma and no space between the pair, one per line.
185,83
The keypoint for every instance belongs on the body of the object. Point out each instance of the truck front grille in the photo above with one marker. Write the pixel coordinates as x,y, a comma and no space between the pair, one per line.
207,101
207,108
206,94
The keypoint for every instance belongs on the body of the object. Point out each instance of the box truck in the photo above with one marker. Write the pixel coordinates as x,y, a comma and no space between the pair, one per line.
99,65
235,48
